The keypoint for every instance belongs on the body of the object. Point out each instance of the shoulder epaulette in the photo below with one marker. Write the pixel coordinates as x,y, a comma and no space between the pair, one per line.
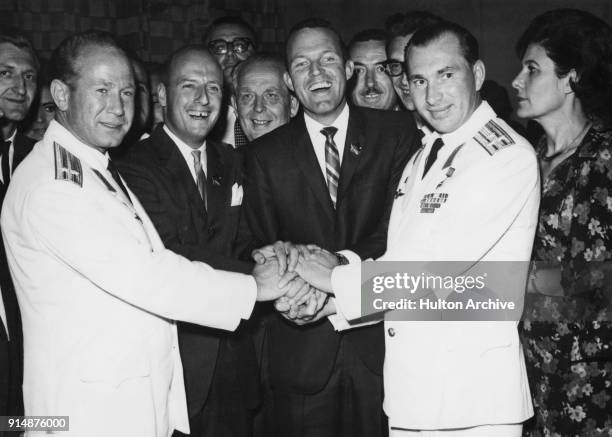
67,166
492,137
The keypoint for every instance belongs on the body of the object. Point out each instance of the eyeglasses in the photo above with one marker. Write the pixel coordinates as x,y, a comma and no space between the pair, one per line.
237,45
394,68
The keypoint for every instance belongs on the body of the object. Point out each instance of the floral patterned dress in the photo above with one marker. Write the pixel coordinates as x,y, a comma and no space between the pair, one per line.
567,339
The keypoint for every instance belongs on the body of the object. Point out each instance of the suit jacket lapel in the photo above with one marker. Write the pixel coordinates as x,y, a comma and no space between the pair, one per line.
21,148
306,161
216,183
353,148
173,161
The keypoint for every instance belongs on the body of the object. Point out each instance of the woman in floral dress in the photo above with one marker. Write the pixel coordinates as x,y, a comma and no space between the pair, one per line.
565,85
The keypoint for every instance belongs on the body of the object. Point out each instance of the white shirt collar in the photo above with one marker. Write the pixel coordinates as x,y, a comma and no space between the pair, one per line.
59,134
187,150
340,123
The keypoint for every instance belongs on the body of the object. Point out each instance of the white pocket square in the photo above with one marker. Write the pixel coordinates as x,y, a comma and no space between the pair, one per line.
237,194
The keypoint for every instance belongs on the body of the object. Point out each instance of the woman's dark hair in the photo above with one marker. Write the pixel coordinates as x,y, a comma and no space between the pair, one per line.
580,41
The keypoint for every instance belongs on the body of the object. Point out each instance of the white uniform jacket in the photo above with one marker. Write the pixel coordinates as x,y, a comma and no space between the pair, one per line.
98,294
478,202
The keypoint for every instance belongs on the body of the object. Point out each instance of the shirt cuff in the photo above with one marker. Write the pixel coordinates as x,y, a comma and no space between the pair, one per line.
346,285
247,303
352,257
338,320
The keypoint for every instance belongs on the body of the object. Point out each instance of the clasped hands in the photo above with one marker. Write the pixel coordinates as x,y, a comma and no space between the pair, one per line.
297,278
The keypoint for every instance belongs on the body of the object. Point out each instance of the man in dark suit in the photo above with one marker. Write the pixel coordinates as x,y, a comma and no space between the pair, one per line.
191,187
328,178
19,68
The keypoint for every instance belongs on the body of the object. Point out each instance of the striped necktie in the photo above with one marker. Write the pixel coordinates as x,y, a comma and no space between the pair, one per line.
200,175
332,162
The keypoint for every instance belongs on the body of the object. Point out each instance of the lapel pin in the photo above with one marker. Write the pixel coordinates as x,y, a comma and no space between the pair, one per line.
356,149
216,180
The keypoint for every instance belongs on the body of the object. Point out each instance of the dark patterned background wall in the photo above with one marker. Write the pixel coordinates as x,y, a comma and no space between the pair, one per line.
153,28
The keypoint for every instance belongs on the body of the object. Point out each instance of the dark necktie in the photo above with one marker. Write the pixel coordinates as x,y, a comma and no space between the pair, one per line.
332,162
240,138
433,154
6,168
200,175
115,174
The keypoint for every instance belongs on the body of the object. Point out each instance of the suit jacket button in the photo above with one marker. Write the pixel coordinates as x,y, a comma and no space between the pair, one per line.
391,332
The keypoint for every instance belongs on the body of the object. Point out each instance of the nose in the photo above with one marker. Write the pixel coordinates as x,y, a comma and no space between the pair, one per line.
116,105
230,57
517,82
19,85
259,104
370,78
404,81
315,69
40,115
201,95
433,94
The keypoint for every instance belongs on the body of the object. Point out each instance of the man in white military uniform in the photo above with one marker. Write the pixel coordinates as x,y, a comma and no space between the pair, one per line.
470,194
97,290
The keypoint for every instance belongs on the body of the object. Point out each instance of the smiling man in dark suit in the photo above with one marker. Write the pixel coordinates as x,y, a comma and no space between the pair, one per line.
18,77
328,178
191,187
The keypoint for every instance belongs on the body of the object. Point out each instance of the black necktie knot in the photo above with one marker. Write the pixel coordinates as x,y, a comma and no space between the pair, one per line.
329,132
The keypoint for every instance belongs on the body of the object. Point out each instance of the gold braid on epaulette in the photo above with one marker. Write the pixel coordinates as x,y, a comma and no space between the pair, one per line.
67,166
492,137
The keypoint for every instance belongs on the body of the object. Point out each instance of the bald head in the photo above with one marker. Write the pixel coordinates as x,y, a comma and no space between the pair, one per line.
190,94
190,52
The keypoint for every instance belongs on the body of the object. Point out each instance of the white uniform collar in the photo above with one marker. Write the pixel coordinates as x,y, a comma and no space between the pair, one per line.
470,128
59,134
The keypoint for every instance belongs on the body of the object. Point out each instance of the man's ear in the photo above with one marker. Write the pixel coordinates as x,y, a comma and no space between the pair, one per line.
161,95
288,81
294,105
479,74
60,92
348,69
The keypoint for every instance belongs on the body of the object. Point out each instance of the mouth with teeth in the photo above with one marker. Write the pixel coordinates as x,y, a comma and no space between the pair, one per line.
198,115
260,123
322,86
372,96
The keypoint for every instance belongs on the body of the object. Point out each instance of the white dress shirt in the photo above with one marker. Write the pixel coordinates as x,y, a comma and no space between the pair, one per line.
318,139
186,151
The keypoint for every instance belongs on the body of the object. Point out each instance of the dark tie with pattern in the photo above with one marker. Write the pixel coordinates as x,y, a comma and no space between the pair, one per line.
6,168
433,154
240,138
200,175
332,162
115,174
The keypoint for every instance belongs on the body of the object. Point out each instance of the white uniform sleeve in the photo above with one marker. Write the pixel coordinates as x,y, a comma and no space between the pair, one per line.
65,221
